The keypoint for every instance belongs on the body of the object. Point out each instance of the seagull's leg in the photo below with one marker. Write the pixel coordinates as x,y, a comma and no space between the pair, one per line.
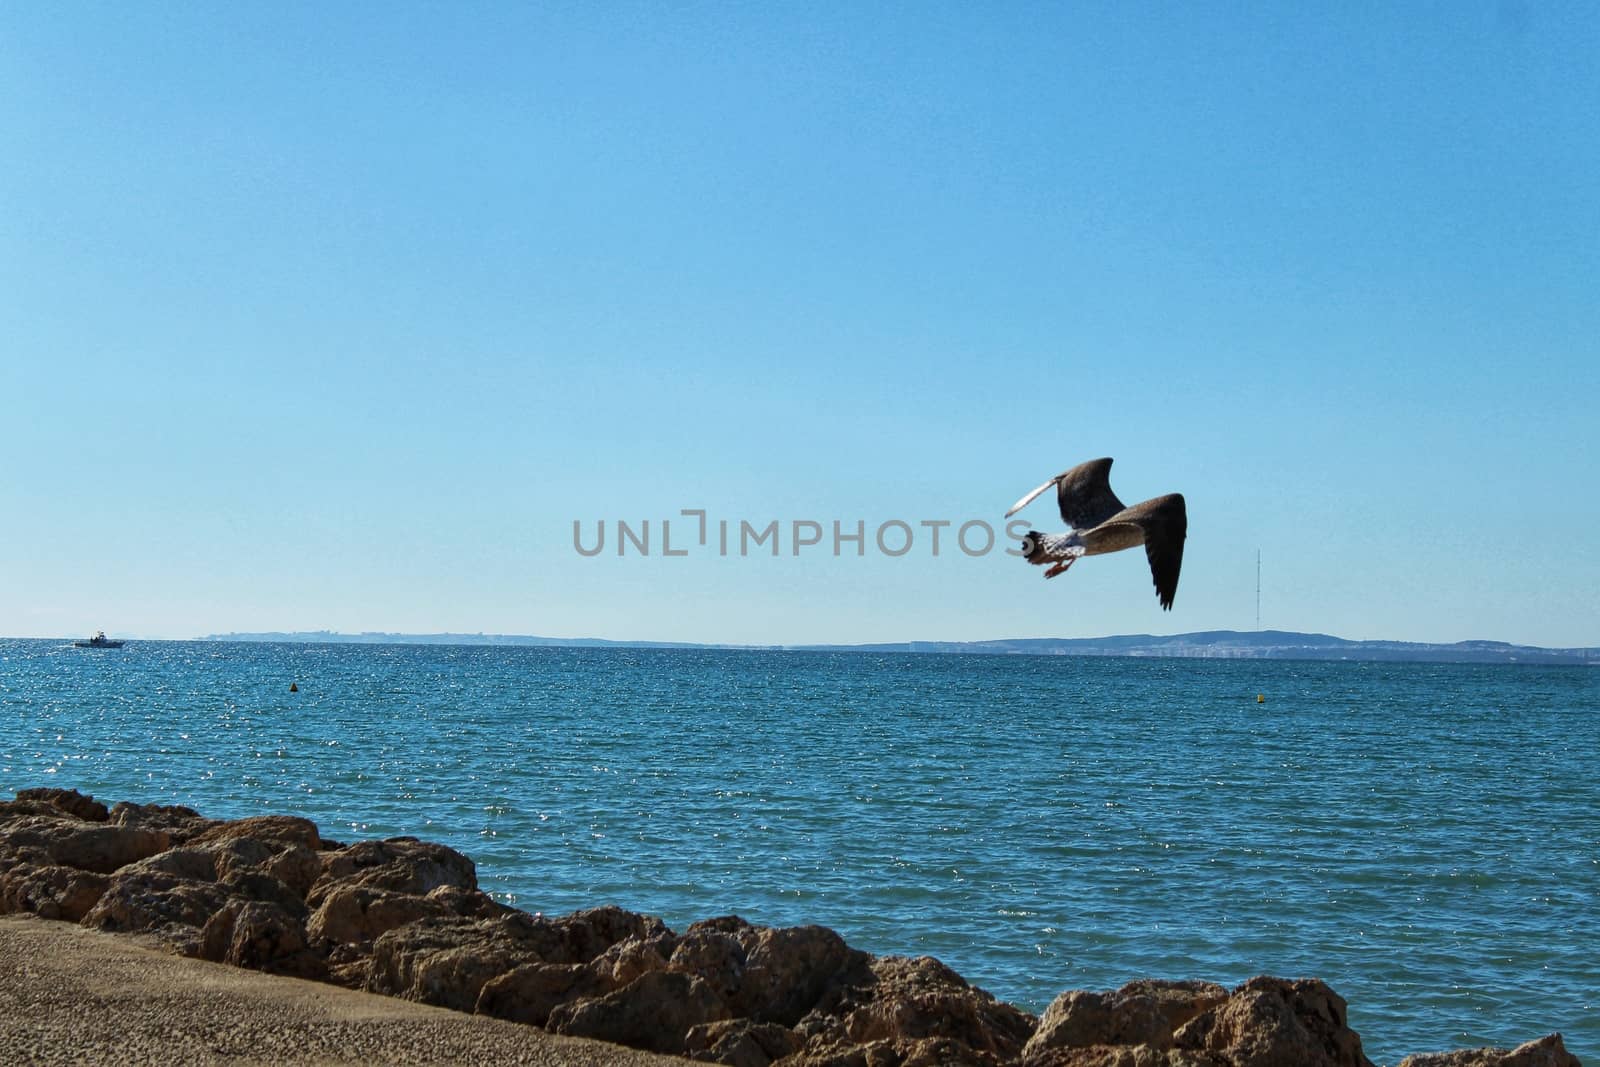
1060,568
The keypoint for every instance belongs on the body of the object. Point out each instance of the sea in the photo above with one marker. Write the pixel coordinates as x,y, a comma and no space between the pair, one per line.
1424,838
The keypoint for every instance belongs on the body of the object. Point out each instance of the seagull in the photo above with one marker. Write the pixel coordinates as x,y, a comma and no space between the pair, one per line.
1101,524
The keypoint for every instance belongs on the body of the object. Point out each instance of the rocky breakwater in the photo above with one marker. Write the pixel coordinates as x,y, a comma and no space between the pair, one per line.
406,918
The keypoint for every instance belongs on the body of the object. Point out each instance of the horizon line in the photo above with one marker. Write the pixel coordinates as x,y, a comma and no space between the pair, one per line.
484,637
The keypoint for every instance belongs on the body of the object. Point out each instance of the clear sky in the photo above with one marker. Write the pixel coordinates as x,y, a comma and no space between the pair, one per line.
338,316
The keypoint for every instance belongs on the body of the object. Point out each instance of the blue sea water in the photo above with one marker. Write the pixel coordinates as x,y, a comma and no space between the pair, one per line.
1424,838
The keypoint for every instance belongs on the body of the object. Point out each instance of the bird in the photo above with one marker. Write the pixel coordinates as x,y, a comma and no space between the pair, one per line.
1100,523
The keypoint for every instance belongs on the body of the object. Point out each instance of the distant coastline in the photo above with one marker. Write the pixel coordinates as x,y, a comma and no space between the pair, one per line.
1208,644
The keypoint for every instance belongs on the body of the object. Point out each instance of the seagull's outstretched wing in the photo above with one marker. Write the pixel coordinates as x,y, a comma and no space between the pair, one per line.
1083,494
1025,501
1165,521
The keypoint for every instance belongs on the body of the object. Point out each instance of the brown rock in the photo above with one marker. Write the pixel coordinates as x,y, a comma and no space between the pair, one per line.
472,903
655,1011
234,855
741,1043
196,864
905,1005
293,867
238,867
176,821
765,973
1273,1022
585,935
789,970
350,918
352,914
1122,1056
939,1052
68,841
174,909
628,959
50,891
281,829
530,992
1140,1013
447,960
402,864
260,936
712,953
1548,1051
296,866
265,889
13,810
69,801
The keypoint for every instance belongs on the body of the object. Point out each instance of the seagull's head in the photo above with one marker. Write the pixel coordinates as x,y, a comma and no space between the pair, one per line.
1032,549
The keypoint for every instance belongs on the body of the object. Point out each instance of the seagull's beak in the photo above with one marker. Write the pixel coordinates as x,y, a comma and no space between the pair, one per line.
1025,501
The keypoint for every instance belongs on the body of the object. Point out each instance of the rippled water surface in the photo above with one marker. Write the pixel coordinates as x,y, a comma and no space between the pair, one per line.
1425,838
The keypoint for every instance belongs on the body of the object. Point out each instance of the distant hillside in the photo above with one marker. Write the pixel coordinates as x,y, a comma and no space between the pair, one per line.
1209,644
1254,644
372,637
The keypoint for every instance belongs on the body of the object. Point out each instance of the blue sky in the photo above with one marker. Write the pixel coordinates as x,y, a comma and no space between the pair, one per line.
339,316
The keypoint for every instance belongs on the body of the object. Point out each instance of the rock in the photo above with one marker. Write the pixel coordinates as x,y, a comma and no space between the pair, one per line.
402,864
788,971
472,903
628,959
104,849
69,801
68,841
293,863
1274,1022
281,829
768,974
1140,1013
1548,1051
741,1043
913,1009
174,909
585,935
177,822
447,960
655,1011
530,992
296,866
350,918
51,891
1122,1056
352,914
261,936
13,810
711,952
237,860
265,889
238,867
192,863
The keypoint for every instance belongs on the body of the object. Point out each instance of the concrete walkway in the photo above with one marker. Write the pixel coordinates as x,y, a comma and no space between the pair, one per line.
70,995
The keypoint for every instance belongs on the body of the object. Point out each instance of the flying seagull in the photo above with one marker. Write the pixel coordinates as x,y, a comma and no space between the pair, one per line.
1101,524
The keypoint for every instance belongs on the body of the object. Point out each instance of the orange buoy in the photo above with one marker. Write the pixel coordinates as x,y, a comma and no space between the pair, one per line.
1261,698
293,688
